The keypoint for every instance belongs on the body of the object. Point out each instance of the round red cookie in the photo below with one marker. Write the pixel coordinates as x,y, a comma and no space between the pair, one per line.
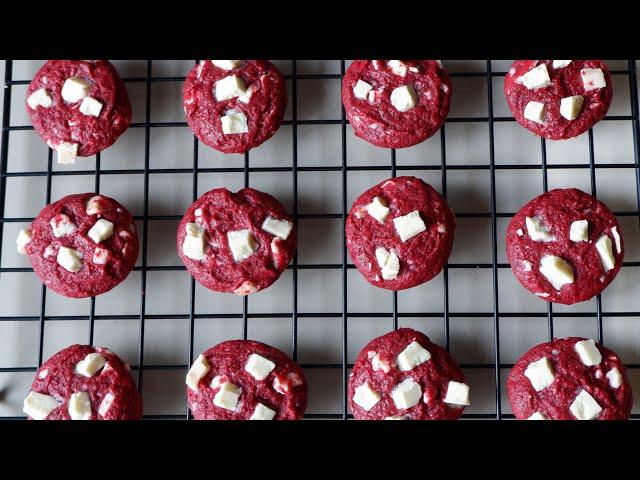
533,244
576,373
83,382
404,376
82,245
252,90
588,80
246,380
92,116
419,257
208,235
396,103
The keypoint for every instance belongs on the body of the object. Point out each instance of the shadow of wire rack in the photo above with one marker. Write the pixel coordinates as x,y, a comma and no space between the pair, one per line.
445,311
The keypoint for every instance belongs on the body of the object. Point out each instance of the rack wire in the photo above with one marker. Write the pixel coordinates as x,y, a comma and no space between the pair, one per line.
344,168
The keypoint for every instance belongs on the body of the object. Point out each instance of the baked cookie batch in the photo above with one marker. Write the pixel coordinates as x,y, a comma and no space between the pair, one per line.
564,246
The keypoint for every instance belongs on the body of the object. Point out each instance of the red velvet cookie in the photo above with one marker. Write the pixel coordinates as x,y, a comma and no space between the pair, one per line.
234,105
396,103
79,107
404,376
565,246
570,379
400,233
246,380
558,99
236,242
82,245
83,382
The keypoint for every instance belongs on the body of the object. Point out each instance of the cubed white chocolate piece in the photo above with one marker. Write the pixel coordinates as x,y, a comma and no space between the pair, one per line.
362,89
540,373
570,107
69,259
106,403
242,244
588,352
396,417
75,89
90,365
229,87
246,98
50,251
404,98
194,241
535,111
24,237
94,205
197,372
616,237
39,406
100,256
262,412
378,209
615,378
579,231
388,262
556,270
412,356
560,63
527,265
538,416
366,397
67,153
457,394
39,98
101,230
234,122
605,250
226,64
585,407
592,79
227,397
62,225
279,228
398,67
90,106
79,406
258,366
537,230
409,225
537,77
406,394
378,363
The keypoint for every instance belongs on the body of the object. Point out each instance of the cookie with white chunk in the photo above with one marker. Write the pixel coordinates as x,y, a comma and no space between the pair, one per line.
83,382
79,107
404,376
236,242
234,105
570,379
558,99
245,380
82,245
565,246
396,103
400,233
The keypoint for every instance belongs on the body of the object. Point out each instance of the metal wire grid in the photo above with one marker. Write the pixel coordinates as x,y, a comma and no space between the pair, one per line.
344,168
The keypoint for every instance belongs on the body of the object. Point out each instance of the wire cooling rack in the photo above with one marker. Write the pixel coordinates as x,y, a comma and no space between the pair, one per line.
456,311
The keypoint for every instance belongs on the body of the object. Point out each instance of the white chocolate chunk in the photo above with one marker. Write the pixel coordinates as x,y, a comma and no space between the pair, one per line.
75,89
588,352
234,122
366,397
93,205
537,77
362,89
412,356
398,67
279,228
535,111
194,241
409,225
258,366
592,79
585,407
79,406
38,405
396,417
616,237
62,225
227,397
100,256
283,384
605,250
106,403
226,64
24,237
540,373
378,209
101,230
67,153
378,364
556,270
90,106
520,232
197,372
579,231
90,365
262,412
527,265
404,98
538,416
406,394
246,98
388,262
457,394
615,377
561,63
242,244
39,98
69,259
570,106
229,87
50,251
537,230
